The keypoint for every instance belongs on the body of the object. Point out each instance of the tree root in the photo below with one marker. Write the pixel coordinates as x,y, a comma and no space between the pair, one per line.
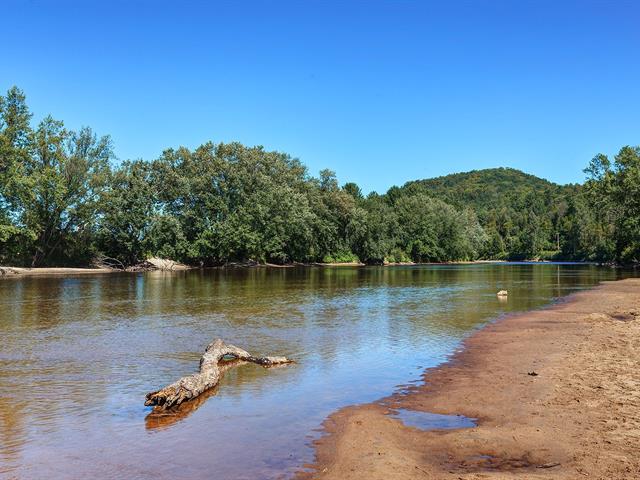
191,386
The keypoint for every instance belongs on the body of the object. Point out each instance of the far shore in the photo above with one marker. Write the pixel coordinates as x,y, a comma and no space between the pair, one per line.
554,394
42,271
23,271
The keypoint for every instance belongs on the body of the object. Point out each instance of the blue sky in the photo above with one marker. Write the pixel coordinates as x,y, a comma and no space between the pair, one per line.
380,92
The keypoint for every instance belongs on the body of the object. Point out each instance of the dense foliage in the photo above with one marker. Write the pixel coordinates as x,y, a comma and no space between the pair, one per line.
523,216
65,200
614,194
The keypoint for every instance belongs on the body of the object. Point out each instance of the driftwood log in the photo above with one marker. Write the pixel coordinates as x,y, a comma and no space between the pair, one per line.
160,418
209,375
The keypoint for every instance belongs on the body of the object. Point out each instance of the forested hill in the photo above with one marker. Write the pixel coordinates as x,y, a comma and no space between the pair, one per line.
64,200
488,189
522,216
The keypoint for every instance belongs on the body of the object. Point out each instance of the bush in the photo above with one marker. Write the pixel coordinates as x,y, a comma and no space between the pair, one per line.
397,255
341,257
550,255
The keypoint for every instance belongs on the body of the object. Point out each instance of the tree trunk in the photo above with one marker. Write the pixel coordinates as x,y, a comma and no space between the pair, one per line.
210,372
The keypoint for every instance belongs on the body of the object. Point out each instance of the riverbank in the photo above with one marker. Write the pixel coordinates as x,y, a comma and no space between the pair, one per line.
148,265
20,271
170,265
555,393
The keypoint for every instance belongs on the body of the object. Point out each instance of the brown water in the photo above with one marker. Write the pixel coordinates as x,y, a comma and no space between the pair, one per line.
77,356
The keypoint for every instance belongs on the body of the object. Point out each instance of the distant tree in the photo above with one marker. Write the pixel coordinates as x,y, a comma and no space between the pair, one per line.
353,190
328,180
614,193
15,145
434,231
334,210
372,230
15,130
50,185
127,210
62,201
237,203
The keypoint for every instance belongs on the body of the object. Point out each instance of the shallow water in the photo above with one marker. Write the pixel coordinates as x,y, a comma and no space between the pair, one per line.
77,356
432,421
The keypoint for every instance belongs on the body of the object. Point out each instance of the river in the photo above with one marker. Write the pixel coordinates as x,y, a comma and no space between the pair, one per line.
78,354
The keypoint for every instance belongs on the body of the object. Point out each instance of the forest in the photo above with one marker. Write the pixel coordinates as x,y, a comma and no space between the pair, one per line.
66,200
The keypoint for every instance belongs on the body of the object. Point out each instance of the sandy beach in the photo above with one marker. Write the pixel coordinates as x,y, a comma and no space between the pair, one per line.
556,394
20,271
149,265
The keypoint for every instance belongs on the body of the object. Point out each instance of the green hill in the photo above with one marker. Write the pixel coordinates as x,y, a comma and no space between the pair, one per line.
524,216
489,190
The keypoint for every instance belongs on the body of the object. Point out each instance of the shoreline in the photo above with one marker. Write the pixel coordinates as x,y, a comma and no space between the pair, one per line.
554,394
149,265
9,271
28,272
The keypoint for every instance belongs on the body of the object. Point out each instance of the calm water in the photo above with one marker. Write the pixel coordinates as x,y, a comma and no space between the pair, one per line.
78,354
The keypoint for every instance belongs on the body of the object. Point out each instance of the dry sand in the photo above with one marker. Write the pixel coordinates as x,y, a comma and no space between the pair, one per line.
578,418
150,264
10,271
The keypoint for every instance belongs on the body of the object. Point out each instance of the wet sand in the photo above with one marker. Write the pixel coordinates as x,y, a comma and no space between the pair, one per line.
579,417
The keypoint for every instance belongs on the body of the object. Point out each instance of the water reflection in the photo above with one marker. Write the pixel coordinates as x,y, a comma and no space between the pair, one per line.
77,356
165,418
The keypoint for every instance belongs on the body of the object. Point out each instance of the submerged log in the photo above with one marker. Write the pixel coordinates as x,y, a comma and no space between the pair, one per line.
209,375
165,417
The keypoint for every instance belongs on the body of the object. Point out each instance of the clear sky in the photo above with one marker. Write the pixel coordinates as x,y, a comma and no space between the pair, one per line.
380,92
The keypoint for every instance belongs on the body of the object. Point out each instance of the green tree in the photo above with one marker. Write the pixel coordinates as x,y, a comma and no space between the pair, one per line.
15,144
53,188
127,211
372,230
62,201
353,190
236,203
614,192
431,230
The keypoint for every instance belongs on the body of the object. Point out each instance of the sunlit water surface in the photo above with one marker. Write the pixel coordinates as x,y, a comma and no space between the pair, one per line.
77,356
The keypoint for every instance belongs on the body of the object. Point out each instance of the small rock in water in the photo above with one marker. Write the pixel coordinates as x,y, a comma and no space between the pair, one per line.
502,293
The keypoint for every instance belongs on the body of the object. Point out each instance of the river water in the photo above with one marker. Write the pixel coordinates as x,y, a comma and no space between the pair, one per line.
78,354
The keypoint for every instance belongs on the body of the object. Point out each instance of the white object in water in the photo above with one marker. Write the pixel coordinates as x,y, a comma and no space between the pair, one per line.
502,293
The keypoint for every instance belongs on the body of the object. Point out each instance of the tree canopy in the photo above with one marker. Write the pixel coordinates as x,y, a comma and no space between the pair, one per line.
65,199
613,191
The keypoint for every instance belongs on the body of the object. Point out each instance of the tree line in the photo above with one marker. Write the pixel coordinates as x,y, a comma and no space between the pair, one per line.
65,200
